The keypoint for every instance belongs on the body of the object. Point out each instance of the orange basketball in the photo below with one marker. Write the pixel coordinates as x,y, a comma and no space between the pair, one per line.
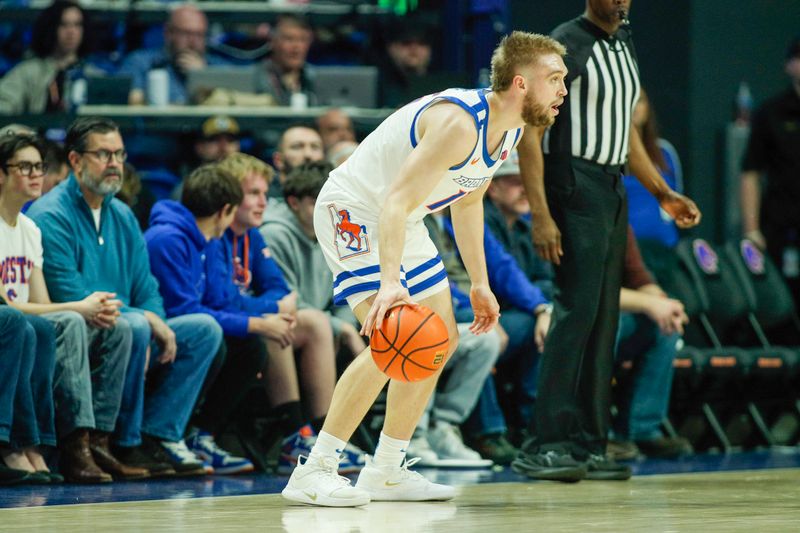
411,344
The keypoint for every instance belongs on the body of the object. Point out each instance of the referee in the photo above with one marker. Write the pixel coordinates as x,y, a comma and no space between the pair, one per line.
572,175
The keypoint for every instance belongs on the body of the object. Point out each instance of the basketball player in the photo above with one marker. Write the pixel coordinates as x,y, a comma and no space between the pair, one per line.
440,150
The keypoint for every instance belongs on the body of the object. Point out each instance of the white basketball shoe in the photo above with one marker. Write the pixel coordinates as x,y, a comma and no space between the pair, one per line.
398,483
316,482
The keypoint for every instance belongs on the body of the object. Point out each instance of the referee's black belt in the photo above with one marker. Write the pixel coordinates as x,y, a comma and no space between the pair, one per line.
612,170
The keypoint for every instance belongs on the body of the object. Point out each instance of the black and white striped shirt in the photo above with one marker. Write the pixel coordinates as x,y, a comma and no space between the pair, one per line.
603,85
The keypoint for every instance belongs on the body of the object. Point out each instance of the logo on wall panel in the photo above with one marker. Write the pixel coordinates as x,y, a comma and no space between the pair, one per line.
705,256
753,257
350,238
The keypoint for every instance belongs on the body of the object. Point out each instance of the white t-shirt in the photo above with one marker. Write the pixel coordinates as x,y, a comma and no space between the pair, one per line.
20,252
96,216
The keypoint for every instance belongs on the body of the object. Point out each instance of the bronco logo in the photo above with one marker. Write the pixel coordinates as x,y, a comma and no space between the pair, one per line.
352,235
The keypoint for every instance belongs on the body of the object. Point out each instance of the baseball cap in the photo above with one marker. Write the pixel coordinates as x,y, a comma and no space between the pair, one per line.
220,125
510,166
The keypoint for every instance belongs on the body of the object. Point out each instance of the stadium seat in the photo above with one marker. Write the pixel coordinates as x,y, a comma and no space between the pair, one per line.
775,383
751,364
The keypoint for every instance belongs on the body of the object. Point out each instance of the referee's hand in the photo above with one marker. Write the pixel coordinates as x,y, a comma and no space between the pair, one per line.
547,239
680,208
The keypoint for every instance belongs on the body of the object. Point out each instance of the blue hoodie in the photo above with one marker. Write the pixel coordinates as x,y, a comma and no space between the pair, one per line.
179,254
254,283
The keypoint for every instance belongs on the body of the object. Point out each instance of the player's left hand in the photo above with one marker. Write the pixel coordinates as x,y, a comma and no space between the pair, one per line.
486,309
681,208
389,295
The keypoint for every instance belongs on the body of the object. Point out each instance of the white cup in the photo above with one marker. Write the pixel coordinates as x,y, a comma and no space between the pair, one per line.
158,87
298,101
77,92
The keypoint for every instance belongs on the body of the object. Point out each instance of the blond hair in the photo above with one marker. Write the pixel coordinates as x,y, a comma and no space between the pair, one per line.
240,166
517,50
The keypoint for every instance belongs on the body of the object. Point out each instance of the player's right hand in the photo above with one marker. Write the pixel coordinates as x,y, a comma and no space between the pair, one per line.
547,239
389,295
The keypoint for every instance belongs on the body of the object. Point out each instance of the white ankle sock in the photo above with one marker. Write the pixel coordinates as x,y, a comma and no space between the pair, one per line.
327,446
390,451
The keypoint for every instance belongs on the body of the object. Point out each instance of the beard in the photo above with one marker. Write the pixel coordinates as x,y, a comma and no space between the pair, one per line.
99,186
535,114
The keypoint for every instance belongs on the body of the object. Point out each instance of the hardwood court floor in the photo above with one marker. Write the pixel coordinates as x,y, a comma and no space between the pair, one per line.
753,500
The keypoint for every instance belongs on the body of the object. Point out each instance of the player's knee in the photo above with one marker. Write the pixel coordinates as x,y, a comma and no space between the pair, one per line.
454,337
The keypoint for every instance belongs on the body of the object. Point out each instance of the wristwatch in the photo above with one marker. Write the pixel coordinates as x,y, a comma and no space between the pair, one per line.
543,308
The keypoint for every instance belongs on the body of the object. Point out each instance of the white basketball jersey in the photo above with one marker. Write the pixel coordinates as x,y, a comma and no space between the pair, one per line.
366,176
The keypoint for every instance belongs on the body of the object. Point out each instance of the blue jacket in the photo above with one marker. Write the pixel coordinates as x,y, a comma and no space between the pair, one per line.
178,253
506,278
250,279
79,260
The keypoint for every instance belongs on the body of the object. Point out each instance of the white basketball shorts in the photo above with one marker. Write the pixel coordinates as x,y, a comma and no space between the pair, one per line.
347,232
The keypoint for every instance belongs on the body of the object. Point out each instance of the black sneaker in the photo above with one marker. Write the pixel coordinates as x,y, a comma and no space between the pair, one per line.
142,456
495,447
551,465
602,468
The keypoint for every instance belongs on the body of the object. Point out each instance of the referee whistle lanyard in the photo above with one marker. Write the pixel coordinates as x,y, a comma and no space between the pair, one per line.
241,268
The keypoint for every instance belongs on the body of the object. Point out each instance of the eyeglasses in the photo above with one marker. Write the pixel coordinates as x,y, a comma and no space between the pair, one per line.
104,156
26,168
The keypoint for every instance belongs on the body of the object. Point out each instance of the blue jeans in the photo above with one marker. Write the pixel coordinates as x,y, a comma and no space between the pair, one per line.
90,372
643,406
34,421
488,416
172,389
12,322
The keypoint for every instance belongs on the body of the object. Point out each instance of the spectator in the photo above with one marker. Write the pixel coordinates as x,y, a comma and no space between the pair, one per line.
59,336
219,137
55,160
177,243
184,50
506,211
286,72
339,152
259,287
772,219
650,329
43,83
335,126
408,57
488,423
92,242
298,145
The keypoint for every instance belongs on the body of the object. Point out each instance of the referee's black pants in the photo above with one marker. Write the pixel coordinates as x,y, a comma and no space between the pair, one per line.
574,391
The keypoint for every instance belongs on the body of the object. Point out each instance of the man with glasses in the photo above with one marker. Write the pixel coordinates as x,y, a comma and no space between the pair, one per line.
184,50
92,242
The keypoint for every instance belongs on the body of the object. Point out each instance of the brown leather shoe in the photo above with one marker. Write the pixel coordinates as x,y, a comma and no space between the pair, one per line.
76,463
99,445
